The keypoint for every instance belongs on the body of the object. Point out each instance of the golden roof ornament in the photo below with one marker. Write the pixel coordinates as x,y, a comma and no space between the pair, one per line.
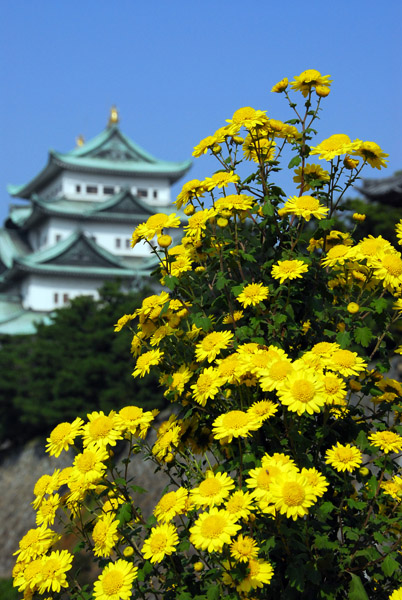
114,116
79,140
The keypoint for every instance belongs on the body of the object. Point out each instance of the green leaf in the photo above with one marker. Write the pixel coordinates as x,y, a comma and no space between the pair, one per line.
171,281
296,160
356,589
268,210
326,508
343,339
379,305
138,489
213,592
124,514
389,566
363,336
221,281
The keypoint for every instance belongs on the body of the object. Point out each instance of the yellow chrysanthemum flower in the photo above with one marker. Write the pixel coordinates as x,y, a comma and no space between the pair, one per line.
243,548
146,361
213,490
336,145
46,484
123,321
204,145
334,389
212,344
316,481
46,512
198,222
291,495
396,594
280,86
220,179
303,391
240,504
287,270
191,189
372,153
275,374
311,173
344,457
133,420
388,441
153,226
398,231
53,571
259,148
89,466
35,543
309,79
246,117
213,529
207,385
235,423
168,439
337,255
171,504
263,409
260,573
62,436
105,534
101,430
346,363
253,294
388,268
116,580
233,202
305,207
161,542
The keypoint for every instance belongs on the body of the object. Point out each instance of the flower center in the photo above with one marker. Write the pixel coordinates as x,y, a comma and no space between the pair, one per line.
280,370
60,432
112,583
345,455
131,413
331,385
50,568
156,221
158,542
86,462
344,358
243,114
234,505
303,390
307,203
168,501
100,427
204,383
212,526
393,264
235,419
210,487
99,533
293,493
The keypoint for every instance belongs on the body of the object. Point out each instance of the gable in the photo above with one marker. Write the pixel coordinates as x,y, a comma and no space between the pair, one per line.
80,253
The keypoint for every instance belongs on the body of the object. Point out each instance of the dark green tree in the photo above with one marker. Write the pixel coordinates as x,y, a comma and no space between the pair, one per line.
73,366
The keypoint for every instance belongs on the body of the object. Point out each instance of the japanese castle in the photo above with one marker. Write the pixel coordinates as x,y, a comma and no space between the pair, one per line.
74,230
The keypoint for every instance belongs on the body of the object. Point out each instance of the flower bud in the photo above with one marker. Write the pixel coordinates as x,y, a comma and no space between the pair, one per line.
198,566
221,222
354,385
164,241
322,90
350,163
129,551
364,471
358,217
189,210
352,308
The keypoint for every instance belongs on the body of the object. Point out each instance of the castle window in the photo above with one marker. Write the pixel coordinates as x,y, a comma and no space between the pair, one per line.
78,189
118,243
108,190
142,193
56,298
128,243
57,237
92,189
65,298
155,194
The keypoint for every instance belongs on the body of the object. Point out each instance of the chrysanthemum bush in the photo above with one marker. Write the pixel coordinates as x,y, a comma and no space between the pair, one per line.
272,344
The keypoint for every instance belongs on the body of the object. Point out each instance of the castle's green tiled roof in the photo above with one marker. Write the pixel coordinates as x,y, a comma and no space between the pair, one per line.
111,153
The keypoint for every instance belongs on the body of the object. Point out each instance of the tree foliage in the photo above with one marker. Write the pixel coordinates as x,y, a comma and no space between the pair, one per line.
72,366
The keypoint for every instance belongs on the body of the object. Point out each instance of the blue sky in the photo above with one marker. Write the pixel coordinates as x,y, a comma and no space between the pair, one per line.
176,70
